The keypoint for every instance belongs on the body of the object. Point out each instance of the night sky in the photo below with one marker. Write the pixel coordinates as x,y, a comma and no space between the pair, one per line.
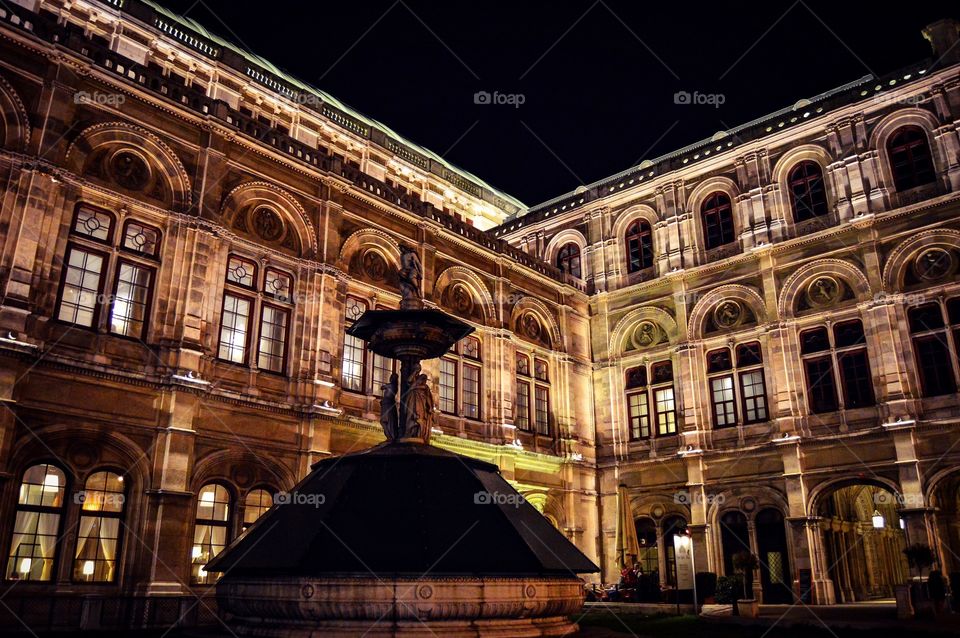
598,79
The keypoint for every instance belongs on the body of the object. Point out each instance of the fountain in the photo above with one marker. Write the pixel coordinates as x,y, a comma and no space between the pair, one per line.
402,539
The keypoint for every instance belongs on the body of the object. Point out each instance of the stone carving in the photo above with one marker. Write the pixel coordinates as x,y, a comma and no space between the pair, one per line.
530,326
823,291
419,407
374,265
129,170
728,314
461,300
646,334
933,264
411,279
267,224
389,418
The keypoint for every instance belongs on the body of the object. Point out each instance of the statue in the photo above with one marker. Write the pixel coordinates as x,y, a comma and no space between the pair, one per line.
419,407
411,279
388,408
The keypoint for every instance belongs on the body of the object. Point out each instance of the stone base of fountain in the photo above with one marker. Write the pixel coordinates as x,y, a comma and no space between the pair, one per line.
356,606
403,539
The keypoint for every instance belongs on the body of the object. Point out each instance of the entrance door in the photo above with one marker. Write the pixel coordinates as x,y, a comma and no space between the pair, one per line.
775,576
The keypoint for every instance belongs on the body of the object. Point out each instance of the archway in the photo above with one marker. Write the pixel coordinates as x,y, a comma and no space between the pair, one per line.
946,500
864,541
775,578
734,537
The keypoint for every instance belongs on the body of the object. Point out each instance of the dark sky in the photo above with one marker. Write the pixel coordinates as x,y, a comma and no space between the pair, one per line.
598,78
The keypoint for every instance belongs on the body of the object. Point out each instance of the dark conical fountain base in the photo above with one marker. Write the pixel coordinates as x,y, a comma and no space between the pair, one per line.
402,539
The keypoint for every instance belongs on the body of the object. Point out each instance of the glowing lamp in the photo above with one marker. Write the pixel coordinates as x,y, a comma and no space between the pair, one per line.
25,565
878,521
87,568
197,551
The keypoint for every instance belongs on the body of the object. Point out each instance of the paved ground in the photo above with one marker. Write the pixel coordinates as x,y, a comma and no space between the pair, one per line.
862,620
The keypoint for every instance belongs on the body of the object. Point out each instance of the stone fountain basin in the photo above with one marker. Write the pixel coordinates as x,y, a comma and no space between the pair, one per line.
451,607
423,334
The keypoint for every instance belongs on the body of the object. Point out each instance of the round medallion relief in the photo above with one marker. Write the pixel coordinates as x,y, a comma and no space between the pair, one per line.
823,291
267,224
461,300
530,591
728,314
425,592
646,334
933,264
307,591
129,169
748,504
374,265
531,326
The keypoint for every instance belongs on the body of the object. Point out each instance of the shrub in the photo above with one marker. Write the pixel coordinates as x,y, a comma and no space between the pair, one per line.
728,589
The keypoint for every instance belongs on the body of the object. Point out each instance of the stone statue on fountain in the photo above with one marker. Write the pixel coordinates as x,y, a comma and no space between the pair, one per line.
389,419
411,279
418,404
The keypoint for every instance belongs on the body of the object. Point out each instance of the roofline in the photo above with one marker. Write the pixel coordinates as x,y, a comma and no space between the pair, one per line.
200,39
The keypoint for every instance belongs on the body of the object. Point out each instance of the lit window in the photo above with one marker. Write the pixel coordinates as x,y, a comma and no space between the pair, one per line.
37,524
128,316
212,531
646,387
81,287
522,417
241,272
448,385
234,328
278,285
98,535
354,350
273,338
141,238
255,505
726,395
542,409
471,391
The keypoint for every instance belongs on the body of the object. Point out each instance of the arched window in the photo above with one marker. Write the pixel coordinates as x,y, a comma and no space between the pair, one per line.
910,160
717,215
212,531
568,259
255,505
98,537
808,197
35,530
639,242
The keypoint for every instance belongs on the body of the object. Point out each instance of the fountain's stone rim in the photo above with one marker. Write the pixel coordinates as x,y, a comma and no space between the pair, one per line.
374,322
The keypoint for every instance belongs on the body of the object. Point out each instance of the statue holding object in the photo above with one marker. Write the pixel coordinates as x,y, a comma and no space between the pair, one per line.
411,279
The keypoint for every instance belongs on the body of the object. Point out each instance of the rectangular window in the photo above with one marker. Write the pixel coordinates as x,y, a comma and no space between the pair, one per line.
34,546
856,378
936,369
471,391
542,409
522,417
81,287
382,369
754,396
273,338
141,238
821,385
96,554
540,370
448,386
666,411
234,327
722,395
241,272
94,224
638,410
351,376
128,313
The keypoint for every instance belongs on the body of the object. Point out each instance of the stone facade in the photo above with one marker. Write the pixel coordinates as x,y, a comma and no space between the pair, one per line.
186,233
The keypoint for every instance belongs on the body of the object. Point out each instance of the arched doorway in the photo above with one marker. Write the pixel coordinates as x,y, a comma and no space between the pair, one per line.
734,537
649,557
863,541
946,501
672,525
775,576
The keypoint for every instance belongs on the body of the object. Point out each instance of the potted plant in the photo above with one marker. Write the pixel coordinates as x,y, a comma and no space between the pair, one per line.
920,557
744,563
727,588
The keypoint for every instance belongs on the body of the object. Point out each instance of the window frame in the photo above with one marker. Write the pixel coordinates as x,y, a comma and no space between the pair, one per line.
288,313
148,304
900,180
710,207
59,510
638,235
119,515
808,198
227,525
564,261
247,337
946,335
105,275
